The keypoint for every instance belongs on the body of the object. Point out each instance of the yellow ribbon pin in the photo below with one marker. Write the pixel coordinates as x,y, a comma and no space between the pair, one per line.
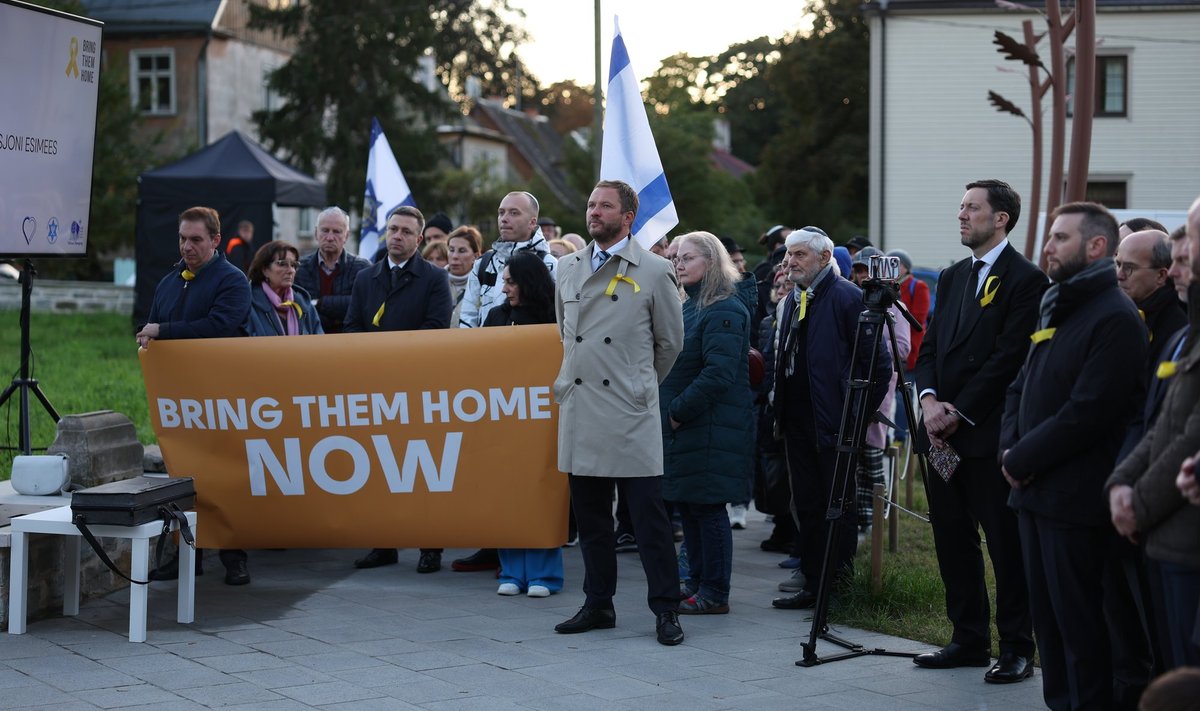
187,275
378,315
300,311
990,287
1043,335
803,306
612,285
72,65
1166,369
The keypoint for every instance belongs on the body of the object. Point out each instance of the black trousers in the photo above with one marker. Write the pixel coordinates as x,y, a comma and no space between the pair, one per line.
1064,564
591,499
811,473
1132,629
975,497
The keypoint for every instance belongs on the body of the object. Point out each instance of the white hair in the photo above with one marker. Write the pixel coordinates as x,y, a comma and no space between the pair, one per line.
815,239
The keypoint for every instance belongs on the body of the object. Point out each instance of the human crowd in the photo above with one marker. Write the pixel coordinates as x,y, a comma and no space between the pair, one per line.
1061,409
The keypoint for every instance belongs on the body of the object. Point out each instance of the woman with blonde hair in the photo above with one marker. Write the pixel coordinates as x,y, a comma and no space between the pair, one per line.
707,417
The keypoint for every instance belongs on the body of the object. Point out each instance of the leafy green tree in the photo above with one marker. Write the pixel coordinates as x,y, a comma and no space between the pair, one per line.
355,61
815,167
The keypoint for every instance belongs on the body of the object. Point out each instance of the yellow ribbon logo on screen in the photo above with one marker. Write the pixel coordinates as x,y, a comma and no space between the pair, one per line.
72,67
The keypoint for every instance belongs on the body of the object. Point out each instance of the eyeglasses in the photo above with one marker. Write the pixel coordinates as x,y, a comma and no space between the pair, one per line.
1126,269
687,259
285,263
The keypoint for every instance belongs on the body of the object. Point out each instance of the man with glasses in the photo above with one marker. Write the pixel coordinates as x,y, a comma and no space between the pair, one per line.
402,292
203,296
328,274
1142,261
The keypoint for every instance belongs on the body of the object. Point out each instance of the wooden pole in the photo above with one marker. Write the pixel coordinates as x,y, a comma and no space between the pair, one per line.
877,541
894,516
1085,99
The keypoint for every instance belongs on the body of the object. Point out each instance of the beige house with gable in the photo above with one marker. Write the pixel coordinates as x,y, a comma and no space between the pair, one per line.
933,130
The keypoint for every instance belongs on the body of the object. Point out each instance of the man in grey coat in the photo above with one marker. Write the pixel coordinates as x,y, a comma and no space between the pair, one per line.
621,322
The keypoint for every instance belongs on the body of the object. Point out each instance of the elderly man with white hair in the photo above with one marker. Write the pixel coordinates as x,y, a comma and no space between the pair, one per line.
814,364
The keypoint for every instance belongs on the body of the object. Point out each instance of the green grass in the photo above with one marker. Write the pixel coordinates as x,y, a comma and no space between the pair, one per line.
911,603
89,362
83,363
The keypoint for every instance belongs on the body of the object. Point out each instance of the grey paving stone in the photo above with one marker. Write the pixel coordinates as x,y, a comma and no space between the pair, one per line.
385,675
37,694
384,647
335,660
230,694
500,654
615,688
424,690
55,665
257,633
432,659
657,673
192,677
350,633
124,696
250,661
384,703
18,646
328,692
89,680
109,649
568,672
475,704
572,702
741,671
11,677
206,647
680,701
287,675
486,680
294,647
162,661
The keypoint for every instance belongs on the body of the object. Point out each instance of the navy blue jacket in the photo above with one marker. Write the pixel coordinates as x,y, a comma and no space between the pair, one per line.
421,300
332,307
1066,412
264,320
708,460
832,317
214,304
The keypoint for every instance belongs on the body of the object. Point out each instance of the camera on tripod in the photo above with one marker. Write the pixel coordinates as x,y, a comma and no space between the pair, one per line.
883,268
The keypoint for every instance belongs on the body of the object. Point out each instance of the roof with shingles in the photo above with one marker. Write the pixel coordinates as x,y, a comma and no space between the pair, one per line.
141,16
538,143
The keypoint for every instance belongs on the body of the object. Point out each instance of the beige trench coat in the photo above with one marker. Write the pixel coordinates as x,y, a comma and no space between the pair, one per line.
617,348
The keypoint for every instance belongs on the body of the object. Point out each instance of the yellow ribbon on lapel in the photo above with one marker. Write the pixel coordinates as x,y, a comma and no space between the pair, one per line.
990,287
300,311
1166,369
187,275
378,315
803,306
612,285
1043,335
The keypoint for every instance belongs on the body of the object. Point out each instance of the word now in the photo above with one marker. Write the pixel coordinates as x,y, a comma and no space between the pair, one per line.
288,475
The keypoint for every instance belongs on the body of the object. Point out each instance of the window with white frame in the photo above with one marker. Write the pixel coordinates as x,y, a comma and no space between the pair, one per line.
152,81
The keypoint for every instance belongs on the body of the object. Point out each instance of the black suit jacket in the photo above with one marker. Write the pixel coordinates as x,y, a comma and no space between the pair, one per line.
421,299
970,365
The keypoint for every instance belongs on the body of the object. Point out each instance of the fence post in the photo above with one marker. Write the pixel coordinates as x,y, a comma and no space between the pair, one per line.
877,540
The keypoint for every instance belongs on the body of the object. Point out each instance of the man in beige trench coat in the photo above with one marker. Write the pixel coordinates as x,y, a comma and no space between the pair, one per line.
621,323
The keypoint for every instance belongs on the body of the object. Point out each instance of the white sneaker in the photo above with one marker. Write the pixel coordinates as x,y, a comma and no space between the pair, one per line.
737,517
508,589
538,591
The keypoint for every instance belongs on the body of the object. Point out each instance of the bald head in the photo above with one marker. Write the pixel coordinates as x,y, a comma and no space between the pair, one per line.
1143,259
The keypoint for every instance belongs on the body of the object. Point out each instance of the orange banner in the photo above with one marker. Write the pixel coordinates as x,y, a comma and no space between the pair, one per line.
409,439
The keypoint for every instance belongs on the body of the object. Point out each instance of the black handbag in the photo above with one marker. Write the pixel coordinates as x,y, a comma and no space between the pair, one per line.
132,502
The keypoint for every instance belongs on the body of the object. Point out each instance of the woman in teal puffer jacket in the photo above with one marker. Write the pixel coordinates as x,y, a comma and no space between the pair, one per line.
708,422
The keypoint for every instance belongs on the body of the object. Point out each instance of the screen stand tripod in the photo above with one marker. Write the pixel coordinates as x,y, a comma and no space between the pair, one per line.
878,296
23,383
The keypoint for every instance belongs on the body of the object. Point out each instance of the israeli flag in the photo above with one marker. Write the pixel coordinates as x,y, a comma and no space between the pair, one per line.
628,152
386,190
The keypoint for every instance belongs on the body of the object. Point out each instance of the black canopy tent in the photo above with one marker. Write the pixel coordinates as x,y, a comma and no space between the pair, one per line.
235,176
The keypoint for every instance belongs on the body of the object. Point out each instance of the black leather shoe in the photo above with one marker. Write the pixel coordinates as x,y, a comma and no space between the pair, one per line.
1009,669
429,562
482,559
378,557
802,600
170,569
953,655
588,619
668,629
773,546
236,573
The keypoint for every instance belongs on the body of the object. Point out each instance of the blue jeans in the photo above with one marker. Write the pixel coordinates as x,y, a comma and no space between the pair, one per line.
709,542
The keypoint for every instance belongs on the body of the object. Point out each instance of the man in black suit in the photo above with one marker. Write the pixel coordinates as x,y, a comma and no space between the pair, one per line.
1064,421
401,292
987,307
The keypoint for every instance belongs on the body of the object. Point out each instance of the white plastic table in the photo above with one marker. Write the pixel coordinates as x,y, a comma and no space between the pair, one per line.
57,522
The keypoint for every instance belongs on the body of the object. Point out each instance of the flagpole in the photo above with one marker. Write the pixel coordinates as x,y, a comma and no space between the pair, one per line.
598,112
